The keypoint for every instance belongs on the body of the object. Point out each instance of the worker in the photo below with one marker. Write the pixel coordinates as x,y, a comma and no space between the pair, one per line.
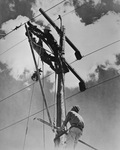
48,38
76,129
45,57
54,45
51,40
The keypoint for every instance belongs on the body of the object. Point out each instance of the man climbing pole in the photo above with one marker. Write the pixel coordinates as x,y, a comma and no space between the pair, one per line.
50,39
45,57
46,36
75,131
55,47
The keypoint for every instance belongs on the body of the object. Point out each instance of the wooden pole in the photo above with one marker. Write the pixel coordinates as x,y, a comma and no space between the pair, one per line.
60,114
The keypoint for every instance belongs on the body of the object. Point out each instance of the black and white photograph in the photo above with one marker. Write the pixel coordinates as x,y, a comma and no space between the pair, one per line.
59,74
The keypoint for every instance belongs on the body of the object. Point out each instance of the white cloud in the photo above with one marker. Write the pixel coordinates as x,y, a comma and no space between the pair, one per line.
85,38
11,24
11,6
18,57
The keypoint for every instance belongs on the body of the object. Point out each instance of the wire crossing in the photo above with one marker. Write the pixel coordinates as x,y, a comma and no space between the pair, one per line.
30,105
105,81
17,27
53,72
52,106
79,92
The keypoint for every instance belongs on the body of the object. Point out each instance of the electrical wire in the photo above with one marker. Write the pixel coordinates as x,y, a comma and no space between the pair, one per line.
32,19
101,48
67,97
13,46
43,109
100,83
56,20
16,92
26,131
52,73
70,63
23,88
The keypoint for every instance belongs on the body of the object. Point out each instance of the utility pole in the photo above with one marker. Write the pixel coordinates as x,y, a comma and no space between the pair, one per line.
77,52
60,112
64,67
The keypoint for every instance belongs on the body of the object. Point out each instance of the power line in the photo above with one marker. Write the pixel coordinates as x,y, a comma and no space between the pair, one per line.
70,63
12,46
52,73
24,88
107,80
26,131
102,48
32,19
56,20
54,104
17,92
99,49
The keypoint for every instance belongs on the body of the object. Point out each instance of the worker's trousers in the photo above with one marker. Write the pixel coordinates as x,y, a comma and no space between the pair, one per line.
72,138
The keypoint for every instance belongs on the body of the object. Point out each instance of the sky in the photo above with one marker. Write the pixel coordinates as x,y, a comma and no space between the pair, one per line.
94,28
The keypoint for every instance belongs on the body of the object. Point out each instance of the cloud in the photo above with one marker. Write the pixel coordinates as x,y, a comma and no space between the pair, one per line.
7,81
90,11
12,8
60,8
102,72
118,59
12,23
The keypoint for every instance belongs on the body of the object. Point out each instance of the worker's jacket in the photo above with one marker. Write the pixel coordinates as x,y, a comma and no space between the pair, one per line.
74,119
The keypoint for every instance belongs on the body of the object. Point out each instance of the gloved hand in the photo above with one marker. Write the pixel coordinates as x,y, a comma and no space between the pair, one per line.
61,128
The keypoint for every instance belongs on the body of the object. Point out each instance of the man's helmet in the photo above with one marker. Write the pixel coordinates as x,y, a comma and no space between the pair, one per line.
75,108
47,28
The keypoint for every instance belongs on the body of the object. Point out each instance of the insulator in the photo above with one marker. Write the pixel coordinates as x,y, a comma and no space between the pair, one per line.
82,86
34,77
78,55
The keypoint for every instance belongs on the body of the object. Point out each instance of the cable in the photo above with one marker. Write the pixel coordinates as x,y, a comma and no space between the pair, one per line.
56,20
23,89
28,118
32,19
65,99
12,46
95,85
70,63
53,72
17,92
43,109
102,48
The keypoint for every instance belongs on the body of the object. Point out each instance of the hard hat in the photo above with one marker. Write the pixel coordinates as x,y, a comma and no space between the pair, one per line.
75,108
47,28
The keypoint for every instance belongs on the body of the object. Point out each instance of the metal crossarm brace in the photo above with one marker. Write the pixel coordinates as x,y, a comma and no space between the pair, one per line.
77,52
